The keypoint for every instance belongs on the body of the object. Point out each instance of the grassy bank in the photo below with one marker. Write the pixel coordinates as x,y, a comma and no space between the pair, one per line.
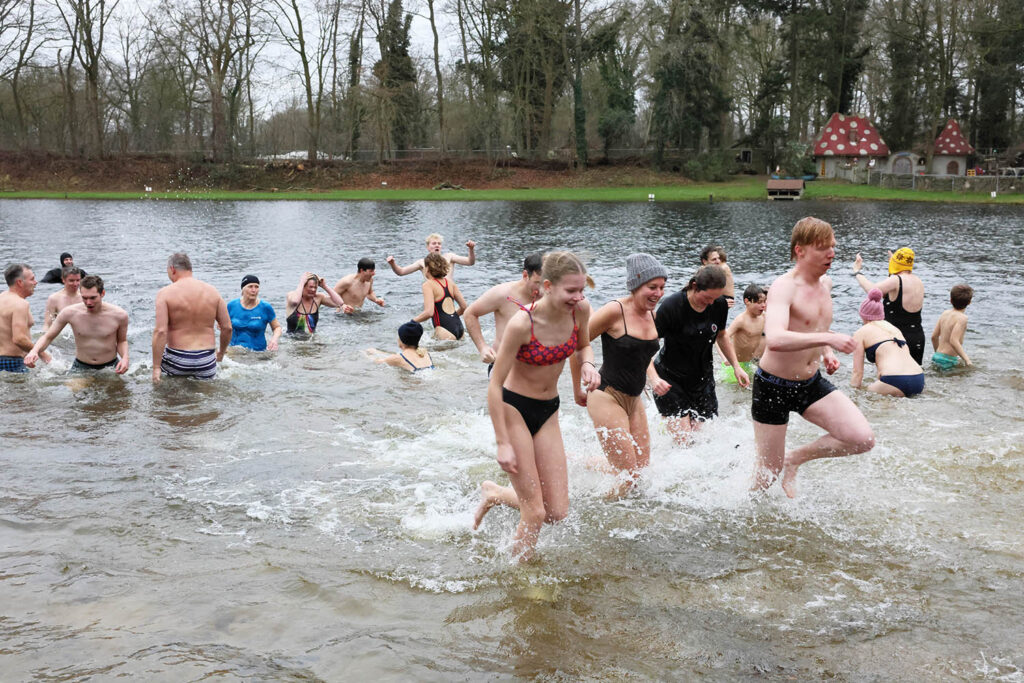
743,189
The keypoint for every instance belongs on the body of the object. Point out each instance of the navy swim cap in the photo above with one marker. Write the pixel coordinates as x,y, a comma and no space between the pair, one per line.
410,333
249,279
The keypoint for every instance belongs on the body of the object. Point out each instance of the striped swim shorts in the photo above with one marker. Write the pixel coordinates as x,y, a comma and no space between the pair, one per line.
200,364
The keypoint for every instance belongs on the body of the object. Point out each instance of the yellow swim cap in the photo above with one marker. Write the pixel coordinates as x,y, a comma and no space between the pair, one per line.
902,260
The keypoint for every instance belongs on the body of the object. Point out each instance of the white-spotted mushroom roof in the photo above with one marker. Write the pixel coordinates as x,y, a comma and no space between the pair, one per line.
850,136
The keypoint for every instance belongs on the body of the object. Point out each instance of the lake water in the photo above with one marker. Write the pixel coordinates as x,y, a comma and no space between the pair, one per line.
307,515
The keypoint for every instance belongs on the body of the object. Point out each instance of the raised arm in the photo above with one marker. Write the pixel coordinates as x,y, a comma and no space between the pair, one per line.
428,304
887,285
464,260
332,299
404,270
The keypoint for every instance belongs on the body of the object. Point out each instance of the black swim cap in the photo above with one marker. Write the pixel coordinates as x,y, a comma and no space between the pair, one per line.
64,256
410,333
249,279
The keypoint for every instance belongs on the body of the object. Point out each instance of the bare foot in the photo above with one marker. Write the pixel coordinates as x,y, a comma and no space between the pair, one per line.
789,478
488,499
763,479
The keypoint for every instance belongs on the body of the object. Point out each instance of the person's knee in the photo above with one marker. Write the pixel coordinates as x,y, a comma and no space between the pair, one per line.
862,442
557,513
533,513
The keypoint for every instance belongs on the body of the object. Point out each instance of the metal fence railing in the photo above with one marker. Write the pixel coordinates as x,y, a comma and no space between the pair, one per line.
941,183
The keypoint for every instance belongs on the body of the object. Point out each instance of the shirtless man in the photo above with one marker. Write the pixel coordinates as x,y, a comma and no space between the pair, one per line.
16,318
101,331
358,286
714,255
183,336
62,298
434,244
797,324
495,300
747,332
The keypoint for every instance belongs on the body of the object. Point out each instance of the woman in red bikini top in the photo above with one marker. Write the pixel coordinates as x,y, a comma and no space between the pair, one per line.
523,398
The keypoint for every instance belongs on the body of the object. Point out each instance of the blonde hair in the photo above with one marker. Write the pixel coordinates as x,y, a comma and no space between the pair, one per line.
436,265
434,236
558,264
809,230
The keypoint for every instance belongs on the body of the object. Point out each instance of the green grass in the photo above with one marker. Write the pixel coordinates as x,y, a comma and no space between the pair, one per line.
742,189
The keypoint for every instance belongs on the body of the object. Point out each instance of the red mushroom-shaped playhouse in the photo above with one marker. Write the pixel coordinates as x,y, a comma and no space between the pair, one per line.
847,142
951,151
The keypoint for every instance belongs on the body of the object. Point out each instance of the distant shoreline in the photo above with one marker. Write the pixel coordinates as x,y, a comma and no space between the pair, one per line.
747,189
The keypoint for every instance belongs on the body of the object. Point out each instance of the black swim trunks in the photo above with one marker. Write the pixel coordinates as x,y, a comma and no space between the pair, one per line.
775,397
696,400
81,365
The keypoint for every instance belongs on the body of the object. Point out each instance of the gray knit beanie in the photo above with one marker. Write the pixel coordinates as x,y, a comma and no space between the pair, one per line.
641,268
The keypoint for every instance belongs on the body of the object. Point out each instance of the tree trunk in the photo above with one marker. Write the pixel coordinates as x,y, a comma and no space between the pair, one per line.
440,82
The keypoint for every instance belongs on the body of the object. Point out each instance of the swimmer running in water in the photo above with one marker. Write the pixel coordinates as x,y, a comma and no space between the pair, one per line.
629,339
434,244
16,318
100,328
746,332
522,397
357,287
797,323
948,336
410,356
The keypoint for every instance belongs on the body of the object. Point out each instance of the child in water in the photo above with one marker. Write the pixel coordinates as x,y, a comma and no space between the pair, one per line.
746,332
948,336
410,356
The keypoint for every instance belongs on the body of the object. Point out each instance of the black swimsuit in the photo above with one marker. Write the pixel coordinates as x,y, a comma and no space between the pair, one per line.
308,321
449,321
625,360
906,322
535,411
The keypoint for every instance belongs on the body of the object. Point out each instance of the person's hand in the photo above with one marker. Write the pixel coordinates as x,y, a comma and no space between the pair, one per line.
390,259
487,355
730,301
379,302
580,396
858,263
470,244
122,366
156,374
30,359
272,345
741,376
507,458
345,308
320,281
843,343
591,378
831,364
45,355
968,363
220,356
660,387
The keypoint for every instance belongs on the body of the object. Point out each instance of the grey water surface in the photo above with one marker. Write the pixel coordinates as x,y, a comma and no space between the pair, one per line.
306,516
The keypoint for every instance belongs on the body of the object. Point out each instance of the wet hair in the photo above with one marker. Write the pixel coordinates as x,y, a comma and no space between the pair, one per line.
533,263
366,263
707,277
92,282
809,230
558,264
433,236
706,252
960,296
753,292
179,261
69,270
14,272
436,265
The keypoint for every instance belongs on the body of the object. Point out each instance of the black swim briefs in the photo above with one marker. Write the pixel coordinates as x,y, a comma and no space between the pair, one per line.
775,397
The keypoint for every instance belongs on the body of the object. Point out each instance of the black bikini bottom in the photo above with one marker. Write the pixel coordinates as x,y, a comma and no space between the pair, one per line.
535,411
